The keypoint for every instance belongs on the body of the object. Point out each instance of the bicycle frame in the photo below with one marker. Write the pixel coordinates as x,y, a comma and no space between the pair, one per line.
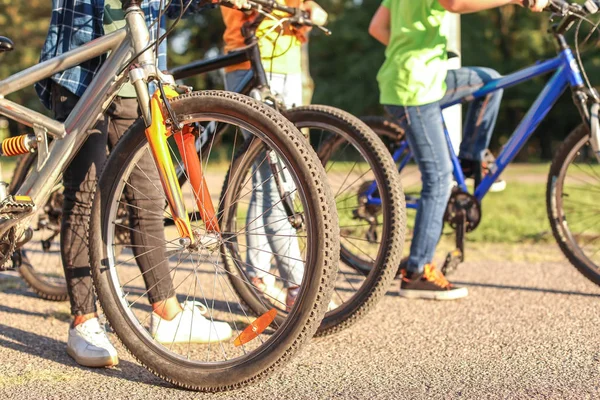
566,73
69,136
255,77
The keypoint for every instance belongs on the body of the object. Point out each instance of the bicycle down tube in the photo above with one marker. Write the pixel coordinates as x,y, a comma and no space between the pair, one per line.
70,135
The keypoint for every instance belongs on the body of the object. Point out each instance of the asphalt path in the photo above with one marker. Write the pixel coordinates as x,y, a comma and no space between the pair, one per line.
529,329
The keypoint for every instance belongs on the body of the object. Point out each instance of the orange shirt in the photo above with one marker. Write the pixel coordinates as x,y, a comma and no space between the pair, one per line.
289,48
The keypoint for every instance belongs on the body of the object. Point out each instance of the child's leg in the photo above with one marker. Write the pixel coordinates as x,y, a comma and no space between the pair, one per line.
280,233
425,135
268,231
79,181
482,113
146,207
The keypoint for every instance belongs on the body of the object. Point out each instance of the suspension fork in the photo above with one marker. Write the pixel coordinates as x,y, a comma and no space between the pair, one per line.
295,220
186,142
157,135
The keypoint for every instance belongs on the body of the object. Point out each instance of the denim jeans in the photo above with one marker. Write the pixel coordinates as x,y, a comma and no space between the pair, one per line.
269,233
425,135
79,181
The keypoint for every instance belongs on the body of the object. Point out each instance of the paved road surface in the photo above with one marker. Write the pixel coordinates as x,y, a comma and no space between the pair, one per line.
530,329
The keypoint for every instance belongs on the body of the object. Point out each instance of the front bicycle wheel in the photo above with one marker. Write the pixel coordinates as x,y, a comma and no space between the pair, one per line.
39,260
125,280
572,202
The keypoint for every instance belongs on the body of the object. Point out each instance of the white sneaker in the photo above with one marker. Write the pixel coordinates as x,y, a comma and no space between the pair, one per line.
189,326
496,187
89,346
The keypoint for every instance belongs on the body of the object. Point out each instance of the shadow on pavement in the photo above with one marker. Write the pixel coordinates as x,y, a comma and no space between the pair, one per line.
54,350
393,292
12,310
525,288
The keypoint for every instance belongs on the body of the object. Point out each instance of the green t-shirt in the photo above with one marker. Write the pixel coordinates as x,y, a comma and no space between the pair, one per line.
414,70
114,19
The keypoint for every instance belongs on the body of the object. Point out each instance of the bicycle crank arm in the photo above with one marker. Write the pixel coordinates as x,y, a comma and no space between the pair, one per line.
157,135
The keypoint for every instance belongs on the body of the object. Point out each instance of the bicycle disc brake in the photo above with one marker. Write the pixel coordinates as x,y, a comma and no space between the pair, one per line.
367,212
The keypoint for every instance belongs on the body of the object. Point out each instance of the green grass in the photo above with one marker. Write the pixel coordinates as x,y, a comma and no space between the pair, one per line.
516,215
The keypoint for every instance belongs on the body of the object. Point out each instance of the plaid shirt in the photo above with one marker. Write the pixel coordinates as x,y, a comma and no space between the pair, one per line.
76,22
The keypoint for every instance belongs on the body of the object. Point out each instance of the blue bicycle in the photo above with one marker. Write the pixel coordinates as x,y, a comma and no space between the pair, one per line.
574,179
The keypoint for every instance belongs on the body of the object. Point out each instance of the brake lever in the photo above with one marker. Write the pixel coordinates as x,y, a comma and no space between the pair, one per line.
326,31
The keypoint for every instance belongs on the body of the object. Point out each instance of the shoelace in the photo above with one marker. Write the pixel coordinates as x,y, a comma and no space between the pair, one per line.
94,334
433,275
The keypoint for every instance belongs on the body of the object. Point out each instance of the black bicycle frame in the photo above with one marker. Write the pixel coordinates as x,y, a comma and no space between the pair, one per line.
256,77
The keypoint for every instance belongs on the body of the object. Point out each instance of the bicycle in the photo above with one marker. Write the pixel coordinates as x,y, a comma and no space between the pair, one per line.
346,148
573,169
161,138
352,155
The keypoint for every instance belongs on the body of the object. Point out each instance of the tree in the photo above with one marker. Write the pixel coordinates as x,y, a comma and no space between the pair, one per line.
26,23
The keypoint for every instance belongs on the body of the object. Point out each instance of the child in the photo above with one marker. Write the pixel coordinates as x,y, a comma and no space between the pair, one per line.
88,343
414,83
281,54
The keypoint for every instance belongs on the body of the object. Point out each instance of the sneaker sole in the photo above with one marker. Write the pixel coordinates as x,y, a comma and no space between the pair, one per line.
435,295
497,186
93,362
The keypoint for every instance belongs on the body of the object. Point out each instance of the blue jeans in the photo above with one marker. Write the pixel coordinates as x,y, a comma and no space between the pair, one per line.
268,232
425,134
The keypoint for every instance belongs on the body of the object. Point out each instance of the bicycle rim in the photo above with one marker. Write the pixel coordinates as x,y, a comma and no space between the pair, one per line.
197,274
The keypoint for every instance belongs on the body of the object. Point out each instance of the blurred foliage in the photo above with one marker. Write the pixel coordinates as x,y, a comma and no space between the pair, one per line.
26,23
344,65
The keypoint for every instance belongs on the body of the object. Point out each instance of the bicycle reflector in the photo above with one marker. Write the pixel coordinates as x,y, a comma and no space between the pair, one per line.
255,328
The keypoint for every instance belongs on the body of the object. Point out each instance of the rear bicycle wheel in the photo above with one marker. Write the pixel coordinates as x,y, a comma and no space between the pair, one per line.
39,260
572,202
371,235
196,273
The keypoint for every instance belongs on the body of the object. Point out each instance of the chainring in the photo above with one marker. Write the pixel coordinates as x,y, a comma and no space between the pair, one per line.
461,201
8,245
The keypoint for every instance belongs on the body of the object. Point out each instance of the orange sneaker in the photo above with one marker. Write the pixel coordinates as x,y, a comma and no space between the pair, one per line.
431,284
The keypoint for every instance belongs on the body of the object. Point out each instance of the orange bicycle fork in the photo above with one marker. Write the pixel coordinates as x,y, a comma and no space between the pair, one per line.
157,134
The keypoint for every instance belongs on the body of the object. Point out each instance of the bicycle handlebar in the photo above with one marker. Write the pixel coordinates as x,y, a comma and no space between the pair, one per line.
298,17
563,7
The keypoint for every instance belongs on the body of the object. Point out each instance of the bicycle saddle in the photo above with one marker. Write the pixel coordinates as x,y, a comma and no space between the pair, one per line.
6,44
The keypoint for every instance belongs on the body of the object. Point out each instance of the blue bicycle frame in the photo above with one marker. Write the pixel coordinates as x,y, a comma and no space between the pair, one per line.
566,73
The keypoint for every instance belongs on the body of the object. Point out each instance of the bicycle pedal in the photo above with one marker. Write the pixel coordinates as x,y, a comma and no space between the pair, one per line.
17,205
453,260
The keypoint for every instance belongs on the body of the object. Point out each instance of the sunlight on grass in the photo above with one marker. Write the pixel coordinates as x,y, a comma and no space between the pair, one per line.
515,215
